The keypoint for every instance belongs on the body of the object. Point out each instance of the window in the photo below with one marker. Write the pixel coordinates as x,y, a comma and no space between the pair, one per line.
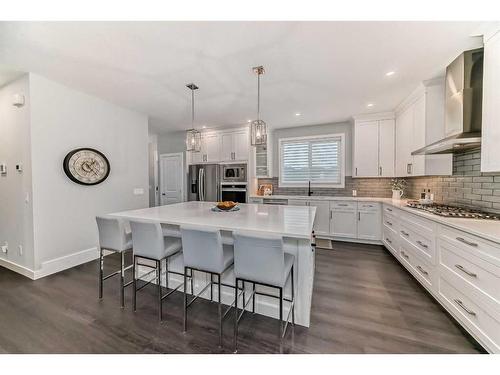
319,159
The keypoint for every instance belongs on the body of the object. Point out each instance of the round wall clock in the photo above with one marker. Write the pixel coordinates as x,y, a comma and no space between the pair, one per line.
86,166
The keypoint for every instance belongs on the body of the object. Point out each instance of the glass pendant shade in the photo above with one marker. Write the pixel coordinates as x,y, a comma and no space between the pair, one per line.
258,128
193,140
258,133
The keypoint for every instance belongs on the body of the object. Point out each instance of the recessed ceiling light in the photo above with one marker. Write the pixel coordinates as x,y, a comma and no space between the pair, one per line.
298,114
388,74
204,126
249,121
369,105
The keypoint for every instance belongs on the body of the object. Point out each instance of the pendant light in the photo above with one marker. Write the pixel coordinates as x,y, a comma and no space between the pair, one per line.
258,128
193,136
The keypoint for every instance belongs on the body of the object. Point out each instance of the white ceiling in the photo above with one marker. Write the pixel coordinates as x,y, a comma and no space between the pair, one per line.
327,71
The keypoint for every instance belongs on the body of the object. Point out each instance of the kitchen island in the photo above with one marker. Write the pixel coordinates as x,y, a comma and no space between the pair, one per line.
293,223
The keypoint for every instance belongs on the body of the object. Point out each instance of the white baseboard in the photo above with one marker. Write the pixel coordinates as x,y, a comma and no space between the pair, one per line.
17,268
67,261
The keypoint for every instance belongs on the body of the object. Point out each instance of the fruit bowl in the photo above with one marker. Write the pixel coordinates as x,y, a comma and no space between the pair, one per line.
226,205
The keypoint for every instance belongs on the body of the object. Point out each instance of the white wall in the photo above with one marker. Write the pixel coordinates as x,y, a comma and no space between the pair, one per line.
310,130
16,215
64,212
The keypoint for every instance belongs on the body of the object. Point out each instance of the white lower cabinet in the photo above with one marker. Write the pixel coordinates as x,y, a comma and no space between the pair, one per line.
460,270
322,220
369,221
343,222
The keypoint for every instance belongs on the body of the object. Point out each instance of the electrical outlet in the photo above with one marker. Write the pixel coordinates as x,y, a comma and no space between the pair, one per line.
5,248
354,193
20,247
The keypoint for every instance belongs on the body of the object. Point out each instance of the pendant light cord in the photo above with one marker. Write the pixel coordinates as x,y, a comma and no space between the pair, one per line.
192,108
258,95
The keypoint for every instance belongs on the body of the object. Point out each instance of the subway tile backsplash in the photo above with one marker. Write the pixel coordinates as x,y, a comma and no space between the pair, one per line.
466,187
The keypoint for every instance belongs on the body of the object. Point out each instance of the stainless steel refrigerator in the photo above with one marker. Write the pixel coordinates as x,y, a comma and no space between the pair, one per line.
204,182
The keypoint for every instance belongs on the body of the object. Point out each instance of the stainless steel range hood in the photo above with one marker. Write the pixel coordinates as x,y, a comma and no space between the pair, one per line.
464,92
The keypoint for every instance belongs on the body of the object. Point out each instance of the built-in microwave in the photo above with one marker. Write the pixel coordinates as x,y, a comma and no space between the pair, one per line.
234,172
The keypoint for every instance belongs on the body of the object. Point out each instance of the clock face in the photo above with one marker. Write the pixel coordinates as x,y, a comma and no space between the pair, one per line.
86,166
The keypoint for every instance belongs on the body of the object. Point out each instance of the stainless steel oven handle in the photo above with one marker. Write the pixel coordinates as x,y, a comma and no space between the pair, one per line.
234,189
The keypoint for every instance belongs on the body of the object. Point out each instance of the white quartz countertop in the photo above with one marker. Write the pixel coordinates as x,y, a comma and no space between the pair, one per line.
487,229
287,221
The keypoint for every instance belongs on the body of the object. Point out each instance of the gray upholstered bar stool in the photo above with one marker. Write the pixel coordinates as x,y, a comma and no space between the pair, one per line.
204,251
150,244
113,236
261,260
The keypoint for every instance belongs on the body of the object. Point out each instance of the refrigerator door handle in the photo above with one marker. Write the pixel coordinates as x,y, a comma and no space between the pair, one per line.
200,191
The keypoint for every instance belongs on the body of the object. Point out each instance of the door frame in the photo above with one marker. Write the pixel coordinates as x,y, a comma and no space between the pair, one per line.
183,173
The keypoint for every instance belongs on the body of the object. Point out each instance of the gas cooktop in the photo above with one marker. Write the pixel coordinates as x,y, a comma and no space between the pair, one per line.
452,211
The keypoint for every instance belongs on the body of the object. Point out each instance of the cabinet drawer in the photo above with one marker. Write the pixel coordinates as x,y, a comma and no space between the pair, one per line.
390,240
475,246
418,224
483,323
343,205
423,271
390,210
368,206
390,222
473,271
423,244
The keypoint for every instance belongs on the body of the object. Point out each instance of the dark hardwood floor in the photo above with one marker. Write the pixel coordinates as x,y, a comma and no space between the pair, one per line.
363,302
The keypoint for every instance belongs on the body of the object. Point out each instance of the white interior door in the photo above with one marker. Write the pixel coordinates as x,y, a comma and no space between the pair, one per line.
171,178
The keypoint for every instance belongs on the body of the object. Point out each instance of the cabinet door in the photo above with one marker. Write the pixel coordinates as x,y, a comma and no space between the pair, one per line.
240,145
369,225
226,146
418,138
212,147
322,219
404,132
366,149
386,148
490,157
343,223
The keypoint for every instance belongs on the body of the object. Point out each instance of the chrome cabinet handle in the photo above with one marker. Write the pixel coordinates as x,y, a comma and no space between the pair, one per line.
331,215
389,223
422,244
356,171
404,233
343,204
465,308
359,216
461,268
380,171
404,255
388,240
423,271
389,209
473,244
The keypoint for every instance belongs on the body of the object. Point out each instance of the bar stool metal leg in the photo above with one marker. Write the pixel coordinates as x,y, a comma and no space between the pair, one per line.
211,288
191,281
235,344
166,273
185,298
253,298
134,282
281,315
160,304
122,279
101,272
220,309
293,298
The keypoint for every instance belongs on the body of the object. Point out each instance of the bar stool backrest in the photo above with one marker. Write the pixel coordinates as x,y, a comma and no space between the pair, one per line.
147,239
202,248
259,257
112,235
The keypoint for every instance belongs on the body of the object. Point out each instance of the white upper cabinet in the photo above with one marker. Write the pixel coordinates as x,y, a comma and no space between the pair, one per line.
234,145
490,156
420,122
222,146
373,149
211,147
